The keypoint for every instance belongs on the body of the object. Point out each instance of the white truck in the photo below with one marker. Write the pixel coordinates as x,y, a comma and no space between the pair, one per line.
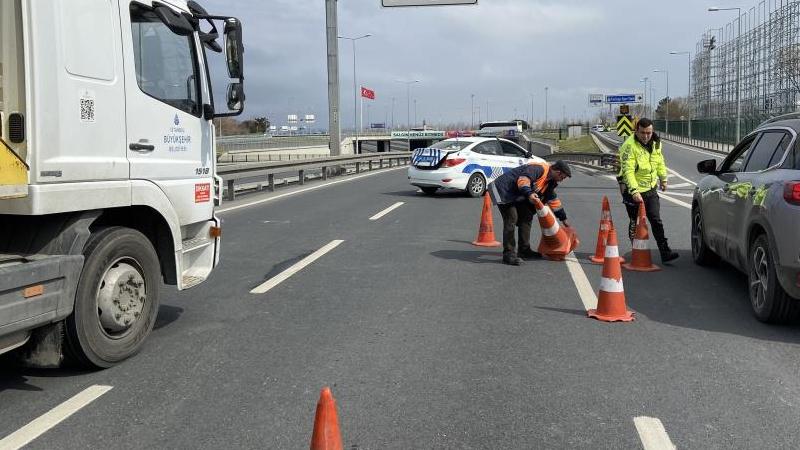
107,169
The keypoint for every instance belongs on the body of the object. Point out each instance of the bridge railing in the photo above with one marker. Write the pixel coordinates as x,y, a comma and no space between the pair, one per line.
258,176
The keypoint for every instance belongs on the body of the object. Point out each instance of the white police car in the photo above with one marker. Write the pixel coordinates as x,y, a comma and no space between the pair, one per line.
467,164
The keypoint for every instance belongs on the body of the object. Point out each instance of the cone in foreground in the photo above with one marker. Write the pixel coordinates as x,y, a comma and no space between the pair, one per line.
556,241
486,229
611,305
326,434
641,260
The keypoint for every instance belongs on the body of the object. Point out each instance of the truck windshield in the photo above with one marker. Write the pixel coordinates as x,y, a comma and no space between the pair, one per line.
166,63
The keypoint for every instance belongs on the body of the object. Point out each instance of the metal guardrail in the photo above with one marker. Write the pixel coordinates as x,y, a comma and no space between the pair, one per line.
268,156
603,160
264,173
267,142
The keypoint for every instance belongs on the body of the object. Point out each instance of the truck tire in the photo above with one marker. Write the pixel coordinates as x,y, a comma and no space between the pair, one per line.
116,302
769,301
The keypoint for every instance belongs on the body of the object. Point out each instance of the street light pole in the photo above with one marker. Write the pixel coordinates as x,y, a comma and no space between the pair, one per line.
408,84
646,105
545,106
472,111
738,68
689,95
355,90
530,118
666,72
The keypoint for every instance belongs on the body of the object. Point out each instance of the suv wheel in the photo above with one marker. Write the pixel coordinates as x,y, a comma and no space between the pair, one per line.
701,254
769,301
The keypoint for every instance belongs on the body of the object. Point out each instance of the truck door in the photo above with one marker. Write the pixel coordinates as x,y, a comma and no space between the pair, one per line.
169,141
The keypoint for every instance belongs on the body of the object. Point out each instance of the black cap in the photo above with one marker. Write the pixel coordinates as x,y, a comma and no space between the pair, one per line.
562,167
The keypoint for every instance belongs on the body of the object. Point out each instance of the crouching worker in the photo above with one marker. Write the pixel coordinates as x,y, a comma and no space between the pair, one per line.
514,192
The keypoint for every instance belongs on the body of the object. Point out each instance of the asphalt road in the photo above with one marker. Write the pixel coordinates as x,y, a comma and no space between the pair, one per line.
429,342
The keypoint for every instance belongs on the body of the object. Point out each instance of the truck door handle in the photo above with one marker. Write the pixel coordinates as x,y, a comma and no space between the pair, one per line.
137,147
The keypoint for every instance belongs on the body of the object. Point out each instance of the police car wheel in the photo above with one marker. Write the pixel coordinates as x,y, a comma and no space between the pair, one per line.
476,185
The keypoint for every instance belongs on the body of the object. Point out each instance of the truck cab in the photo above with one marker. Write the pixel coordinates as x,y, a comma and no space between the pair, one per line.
107,168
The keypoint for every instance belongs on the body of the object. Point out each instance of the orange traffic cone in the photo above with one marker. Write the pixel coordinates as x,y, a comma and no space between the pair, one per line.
556,241
486,229
326,426
640,255
611,299
606,221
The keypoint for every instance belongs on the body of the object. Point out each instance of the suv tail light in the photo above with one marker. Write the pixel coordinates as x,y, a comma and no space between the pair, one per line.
791,192
453,162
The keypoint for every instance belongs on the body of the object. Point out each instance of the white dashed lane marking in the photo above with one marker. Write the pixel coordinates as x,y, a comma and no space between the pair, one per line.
50,419
653,434
283,276
387,211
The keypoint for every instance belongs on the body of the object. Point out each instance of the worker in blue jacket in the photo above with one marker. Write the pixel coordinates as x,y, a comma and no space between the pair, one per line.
513,193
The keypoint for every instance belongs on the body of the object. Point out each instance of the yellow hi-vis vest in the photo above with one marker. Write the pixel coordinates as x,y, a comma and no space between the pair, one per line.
639,168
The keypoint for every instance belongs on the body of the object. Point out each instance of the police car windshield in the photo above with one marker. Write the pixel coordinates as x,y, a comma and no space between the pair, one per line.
451,145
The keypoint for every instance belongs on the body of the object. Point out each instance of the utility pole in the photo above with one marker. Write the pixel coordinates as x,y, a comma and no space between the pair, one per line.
334,130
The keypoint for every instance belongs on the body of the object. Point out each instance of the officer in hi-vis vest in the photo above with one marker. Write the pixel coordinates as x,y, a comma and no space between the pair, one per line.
642,171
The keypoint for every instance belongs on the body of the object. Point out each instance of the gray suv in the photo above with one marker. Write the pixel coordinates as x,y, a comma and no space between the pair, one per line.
747,213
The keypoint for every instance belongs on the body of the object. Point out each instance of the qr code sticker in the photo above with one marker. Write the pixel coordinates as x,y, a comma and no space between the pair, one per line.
87,109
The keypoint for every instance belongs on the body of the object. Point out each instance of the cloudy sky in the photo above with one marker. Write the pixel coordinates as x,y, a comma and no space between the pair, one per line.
502,51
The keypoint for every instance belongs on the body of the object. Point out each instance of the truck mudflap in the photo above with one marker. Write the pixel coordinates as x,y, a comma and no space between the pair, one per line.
36,290
13,173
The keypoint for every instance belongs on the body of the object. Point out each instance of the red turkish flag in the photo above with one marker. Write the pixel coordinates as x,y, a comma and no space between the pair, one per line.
367,93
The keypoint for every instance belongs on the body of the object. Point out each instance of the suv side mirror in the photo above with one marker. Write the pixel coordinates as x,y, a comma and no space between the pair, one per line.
707,166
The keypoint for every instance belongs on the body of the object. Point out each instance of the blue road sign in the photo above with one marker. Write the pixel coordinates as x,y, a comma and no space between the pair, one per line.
623,98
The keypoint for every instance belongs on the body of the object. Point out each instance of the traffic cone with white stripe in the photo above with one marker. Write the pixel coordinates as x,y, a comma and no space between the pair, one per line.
556,241
606,221
640,255
611,305
485,236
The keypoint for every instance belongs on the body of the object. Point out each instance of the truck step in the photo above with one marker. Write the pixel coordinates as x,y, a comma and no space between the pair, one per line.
191,281
196,244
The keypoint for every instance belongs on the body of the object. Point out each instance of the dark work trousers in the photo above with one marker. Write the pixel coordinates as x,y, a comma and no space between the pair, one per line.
652,208
519,216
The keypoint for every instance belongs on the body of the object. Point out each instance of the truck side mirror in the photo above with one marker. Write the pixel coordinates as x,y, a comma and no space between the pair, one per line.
234,49
707,166
175,21
235,97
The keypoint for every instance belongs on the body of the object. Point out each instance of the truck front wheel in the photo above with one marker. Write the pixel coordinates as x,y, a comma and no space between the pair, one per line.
116,302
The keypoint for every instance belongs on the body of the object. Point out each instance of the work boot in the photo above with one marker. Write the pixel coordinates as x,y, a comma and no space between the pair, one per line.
631,230
667,254
529,254
512,260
